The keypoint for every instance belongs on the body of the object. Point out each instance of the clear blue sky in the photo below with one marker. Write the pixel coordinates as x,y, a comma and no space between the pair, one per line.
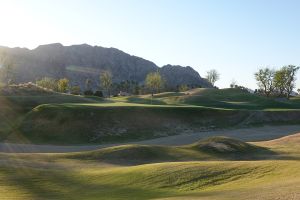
234,37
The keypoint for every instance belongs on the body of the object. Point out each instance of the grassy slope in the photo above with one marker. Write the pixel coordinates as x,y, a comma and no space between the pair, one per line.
28,98
73,123
69,119
15,102
215,148
69,176
119,122
133,118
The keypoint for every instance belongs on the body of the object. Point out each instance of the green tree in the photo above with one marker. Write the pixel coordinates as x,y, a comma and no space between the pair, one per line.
212,76
290,72
154,82
48,83
63,85
264,78
106,81
280,81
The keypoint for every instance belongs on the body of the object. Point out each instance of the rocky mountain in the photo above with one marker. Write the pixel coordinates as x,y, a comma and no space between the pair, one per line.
79,62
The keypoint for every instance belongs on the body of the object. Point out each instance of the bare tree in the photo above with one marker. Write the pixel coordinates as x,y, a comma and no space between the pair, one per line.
233,83
290,73
212,76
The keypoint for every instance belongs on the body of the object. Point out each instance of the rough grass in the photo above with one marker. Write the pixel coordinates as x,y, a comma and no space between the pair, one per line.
70,176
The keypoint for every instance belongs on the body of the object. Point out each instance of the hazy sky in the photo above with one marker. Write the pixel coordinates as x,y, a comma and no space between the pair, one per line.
234,37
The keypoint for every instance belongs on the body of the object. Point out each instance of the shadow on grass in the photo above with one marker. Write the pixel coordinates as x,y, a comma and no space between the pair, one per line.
211,149
64,183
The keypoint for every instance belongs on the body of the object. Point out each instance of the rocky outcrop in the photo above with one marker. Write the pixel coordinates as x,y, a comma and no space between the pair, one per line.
176,74
79,62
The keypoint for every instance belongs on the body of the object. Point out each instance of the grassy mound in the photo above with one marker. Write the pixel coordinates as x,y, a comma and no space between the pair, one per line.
129,154
285,141
224,145
28,96
214,148
68,119
117,122
17,100
82,176
287,147
100,123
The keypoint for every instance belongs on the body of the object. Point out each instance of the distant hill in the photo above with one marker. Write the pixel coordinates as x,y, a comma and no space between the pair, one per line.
79,62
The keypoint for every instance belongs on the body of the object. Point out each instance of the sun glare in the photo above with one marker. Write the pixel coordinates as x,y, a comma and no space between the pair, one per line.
21,27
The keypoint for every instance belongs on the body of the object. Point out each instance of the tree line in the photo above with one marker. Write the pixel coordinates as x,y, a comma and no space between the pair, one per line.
153,83
279,82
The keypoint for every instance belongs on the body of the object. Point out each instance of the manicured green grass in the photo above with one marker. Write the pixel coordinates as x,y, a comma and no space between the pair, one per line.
18,101
216,168
29,102
215,98
215,148
213,180
89,175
